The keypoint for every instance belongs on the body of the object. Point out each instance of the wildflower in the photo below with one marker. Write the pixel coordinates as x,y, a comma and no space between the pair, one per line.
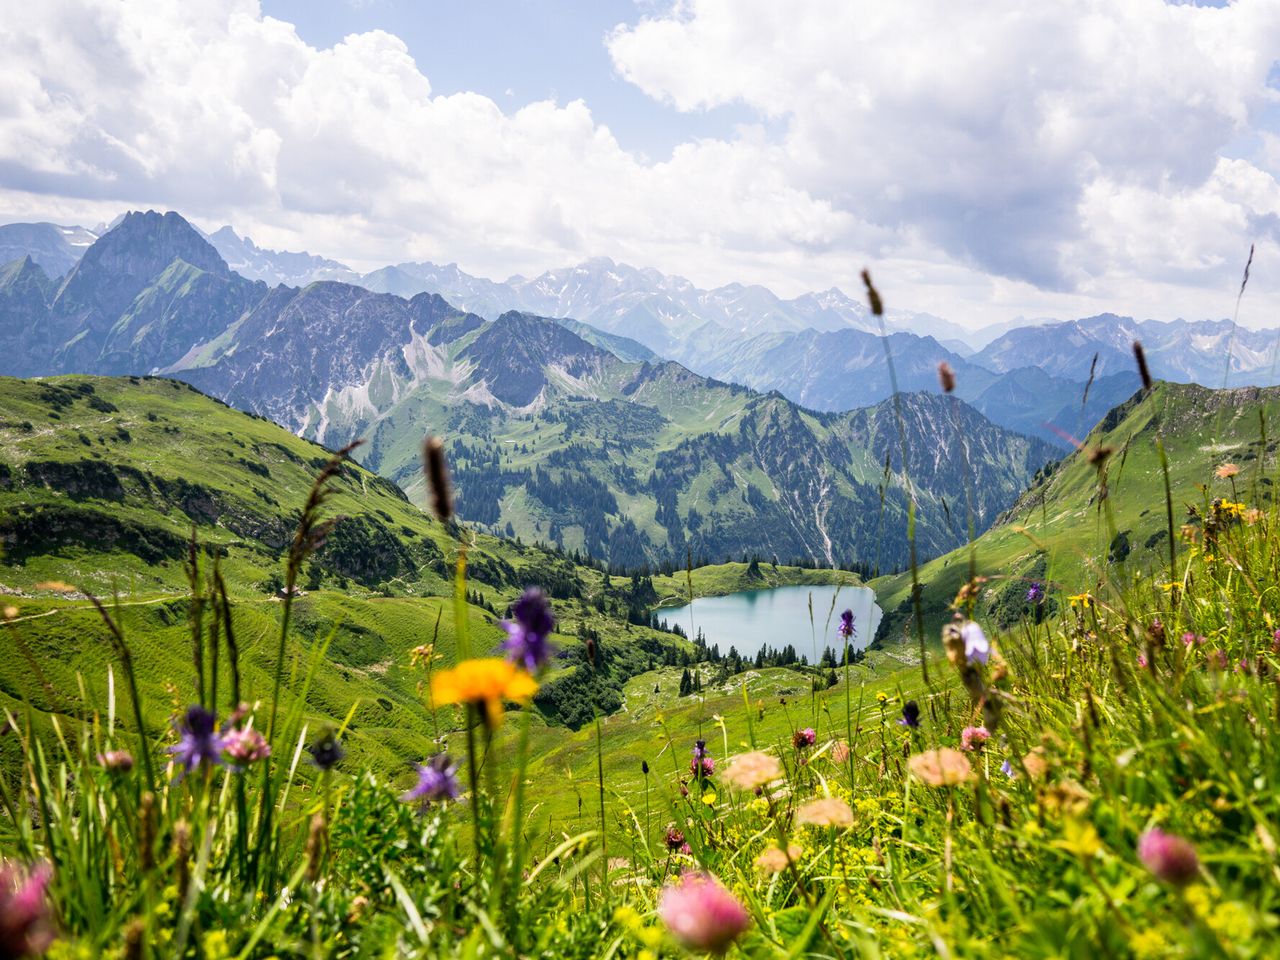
804,738
1142,661
116,761
702,767
1218,659
702,914
1226,471
675,839
826,812
26,927
423,654
910,715
10,612
200,743
775,859
1035,593
437,782
483,682
1083,600
972,738
1170,857
245,746
846,629
685,850
976,645
644,767
840,752
943,767
1007,769
882,697
527,633
326,752
747,771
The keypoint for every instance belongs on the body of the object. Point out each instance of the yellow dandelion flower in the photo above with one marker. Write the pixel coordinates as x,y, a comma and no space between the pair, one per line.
483,682
826,812
943,767
747,771
775,860
1083,600
882,697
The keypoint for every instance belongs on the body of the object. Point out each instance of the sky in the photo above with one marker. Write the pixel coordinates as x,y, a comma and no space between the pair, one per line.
985,161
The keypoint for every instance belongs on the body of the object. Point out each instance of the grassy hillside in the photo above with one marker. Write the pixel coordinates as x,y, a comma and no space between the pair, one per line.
1065,534
102,482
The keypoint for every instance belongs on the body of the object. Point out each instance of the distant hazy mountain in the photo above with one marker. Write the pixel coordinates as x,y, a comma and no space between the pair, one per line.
272,266
55,248
585,440
1181,350
659,310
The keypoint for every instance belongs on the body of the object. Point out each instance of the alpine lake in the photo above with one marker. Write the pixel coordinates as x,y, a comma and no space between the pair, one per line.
803,616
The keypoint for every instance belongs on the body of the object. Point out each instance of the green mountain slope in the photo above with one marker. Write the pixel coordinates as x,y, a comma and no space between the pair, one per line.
101,484
1063,531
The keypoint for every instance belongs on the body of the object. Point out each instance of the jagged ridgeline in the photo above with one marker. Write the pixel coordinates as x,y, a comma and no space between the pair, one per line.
1063,534
581,439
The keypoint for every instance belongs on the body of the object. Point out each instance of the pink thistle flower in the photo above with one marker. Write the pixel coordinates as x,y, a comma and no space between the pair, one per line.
26,927
972,738
245,746
1142,660
1168,856
804,738
702,914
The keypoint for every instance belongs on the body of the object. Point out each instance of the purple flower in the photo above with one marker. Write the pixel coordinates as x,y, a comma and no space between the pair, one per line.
675,839
1170,857
437,782
1035,593
200,744
702,914
699,749
527,633
1007,769
846,629
326,752
702,767
977,648
910,715
26,928
804,738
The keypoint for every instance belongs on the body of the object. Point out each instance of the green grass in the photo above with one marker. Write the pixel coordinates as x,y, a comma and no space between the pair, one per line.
1060,531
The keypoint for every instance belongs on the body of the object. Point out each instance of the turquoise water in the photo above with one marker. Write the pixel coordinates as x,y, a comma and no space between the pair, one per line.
778,616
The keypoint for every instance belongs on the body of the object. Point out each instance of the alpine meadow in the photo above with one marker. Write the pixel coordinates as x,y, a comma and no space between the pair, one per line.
740,480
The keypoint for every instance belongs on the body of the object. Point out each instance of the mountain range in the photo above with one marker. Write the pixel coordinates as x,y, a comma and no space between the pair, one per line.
593,444
1051,379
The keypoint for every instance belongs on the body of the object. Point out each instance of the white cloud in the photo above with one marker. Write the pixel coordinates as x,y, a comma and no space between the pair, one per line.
1033,157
